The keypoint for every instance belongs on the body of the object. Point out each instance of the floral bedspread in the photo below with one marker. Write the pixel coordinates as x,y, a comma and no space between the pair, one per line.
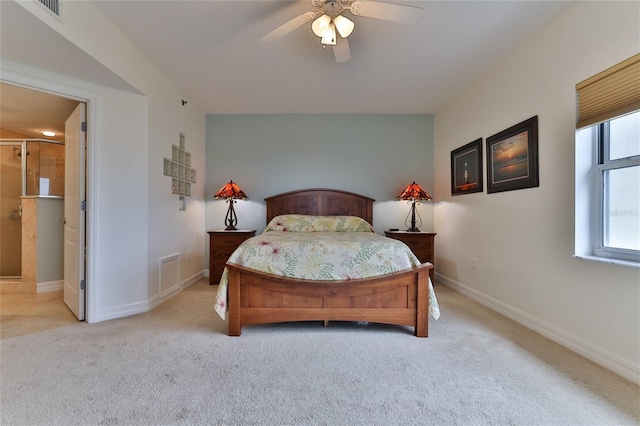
321,252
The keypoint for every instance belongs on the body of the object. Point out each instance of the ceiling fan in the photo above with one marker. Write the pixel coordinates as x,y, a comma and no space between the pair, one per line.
328,21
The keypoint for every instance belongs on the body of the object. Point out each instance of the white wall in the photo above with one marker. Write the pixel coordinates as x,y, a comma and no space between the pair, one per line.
133,219
172,231
524,240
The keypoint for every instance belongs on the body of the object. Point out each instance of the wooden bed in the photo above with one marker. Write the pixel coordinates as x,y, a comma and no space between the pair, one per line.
255,297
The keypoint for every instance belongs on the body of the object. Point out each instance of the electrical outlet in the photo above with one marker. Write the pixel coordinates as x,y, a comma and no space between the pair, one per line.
474,262
189,255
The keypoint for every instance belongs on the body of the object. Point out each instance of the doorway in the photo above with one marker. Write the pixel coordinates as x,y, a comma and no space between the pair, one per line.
32,179
25,113
10,211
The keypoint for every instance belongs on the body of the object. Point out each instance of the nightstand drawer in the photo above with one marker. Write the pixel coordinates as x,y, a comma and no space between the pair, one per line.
420,243
228,240
224,252
416,243
423,255
221,245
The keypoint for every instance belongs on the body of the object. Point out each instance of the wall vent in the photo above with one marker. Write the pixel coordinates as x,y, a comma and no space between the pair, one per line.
52,5
169,279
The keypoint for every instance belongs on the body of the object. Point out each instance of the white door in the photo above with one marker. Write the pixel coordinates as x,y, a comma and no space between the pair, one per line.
74,212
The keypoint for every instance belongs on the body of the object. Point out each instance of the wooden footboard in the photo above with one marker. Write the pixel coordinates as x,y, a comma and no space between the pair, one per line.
400,298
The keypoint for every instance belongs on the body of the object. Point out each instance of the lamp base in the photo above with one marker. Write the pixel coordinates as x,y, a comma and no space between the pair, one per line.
412,224
231,219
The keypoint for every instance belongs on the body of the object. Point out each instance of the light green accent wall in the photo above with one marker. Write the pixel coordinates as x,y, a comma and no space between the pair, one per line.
373,155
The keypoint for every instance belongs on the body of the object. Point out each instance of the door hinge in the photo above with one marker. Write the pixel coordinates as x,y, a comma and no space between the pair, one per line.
82,285
83,205
83,126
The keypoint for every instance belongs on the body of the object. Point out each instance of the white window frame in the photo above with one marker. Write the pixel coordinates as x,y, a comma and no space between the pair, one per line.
602,165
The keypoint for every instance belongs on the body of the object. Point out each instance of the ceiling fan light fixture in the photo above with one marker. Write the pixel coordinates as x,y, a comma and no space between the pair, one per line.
329,36
326,20
344,26
320,25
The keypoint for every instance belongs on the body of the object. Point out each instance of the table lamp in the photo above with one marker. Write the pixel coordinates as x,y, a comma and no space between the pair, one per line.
414,194
231,192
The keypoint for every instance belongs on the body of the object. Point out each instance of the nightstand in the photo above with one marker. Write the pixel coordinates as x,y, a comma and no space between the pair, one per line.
420,243
221,244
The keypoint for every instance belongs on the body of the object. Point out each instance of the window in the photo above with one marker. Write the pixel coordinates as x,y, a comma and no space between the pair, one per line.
618,188
608,164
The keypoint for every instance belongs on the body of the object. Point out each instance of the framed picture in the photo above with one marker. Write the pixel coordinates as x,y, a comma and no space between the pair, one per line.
512,158
466,168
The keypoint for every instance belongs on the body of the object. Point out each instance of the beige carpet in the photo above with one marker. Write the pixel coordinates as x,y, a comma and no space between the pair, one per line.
175,365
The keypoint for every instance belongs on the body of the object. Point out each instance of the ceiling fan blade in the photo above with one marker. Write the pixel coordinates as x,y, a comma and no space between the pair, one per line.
288,27
387,11
341,51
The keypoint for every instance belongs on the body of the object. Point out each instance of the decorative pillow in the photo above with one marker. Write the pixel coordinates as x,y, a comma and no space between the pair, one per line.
306,223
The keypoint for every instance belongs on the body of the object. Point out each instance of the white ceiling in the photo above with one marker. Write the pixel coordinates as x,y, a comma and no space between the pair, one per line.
210,49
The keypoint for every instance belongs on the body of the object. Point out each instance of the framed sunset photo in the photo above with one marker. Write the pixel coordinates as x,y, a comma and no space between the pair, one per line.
512,158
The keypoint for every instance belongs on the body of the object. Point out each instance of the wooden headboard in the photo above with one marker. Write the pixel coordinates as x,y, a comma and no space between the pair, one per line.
320,202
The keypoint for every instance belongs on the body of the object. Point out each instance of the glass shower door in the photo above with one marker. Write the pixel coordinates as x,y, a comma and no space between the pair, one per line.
10,210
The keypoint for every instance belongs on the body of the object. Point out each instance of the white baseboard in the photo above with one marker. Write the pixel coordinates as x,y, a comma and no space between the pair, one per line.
592,352
48,286
175,290
121,311
193,279
146,306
